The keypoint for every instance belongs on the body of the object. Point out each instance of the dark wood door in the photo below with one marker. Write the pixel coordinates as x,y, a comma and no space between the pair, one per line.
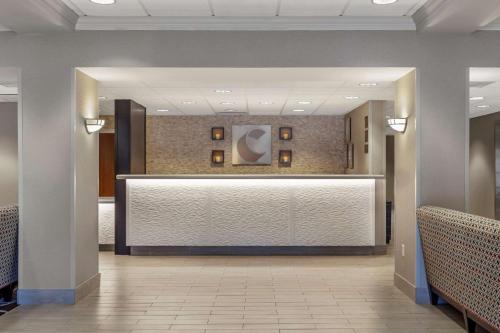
106,164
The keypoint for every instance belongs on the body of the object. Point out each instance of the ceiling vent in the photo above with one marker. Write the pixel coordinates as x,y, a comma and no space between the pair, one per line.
8,84
232,113
480,84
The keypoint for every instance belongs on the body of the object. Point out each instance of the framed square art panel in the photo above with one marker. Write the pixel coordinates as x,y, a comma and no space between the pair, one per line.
251,144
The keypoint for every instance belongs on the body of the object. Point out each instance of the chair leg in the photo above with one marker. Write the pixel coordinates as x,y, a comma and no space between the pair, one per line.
470,325
7,293
434,298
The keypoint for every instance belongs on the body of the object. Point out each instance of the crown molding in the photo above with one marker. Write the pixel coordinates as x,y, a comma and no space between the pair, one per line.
37,15
457,16
429,12
493,26
57,12
275,23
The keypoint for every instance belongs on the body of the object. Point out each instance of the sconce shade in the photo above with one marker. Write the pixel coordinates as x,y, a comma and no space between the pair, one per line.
397,124
285,158
286,133
217,157
217,133
94,125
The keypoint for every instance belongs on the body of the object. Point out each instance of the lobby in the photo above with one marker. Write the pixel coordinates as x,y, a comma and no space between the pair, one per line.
233,172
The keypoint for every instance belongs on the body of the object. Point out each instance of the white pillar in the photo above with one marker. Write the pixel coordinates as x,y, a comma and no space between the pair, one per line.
48,230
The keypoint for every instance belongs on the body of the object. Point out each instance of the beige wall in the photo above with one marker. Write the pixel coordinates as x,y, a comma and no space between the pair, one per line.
8,154
405,187
376,138
86,182
482,165
182,145
177,144
372,162
361,160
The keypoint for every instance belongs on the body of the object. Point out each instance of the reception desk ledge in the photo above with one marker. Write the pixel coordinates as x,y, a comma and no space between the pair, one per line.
250,214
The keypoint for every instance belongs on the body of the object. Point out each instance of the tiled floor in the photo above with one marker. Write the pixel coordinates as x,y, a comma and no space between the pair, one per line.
239,294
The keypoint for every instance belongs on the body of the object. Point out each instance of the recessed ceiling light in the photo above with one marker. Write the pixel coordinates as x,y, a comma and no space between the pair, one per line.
367,84
304,102
223,91
351,97
483,106
298,110
188,102
230,110
103,2
384,2
227,103
266,103
162,110
477,98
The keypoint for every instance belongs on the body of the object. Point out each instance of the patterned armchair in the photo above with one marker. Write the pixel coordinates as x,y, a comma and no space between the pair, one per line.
462,263
9,221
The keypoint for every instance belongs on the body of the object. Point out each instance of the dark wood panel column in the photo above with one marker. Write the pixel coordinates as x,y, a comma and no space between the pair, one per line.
130,152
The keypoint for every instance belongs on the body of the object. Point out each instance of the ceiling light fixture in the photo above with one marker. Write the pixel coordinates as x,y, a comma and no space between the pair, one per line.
223,91
103,2
477,98
351,97
227,103
188,102
298,110
368,84
266,103
230,110
94,125
398,124
163,110
304,102
384,2
483,106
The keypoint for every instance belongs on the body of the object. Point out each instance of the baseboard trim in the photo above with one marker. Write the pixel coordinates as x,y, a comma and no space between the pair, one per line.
408,288
45,296
106,247
252,250
380,249
85,288
58,296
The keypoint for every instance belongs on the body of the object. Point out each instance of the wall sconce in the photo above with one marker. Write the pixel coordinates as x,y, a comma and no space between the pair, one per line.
217,157
217,133
94,125
285,133
285,158
398,124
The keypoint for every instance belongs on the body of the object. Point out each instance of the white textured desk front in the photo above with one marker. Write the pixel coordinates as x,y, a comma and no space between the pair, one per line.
251,212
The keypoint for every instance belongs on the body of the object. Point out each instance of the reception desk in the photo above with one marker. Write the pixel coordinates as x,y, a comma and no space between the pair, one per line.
251,214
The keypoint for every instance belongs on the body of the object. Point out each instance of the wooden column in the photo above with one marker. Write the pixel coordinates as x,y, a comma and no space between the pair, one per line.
130,152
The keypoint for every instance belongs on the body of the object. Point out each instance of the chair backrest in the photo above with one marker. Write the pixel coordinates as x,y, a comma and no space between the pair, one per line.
9,224
462,259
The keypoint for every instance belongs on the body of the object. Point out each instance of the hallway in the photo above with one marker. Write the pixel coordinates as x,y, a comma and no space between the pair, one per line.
239,294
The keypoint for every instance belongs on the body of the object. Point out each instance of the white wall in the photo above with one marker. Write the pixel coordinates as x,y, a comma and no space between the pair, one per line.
8,154
405,201
482,165
47,63
86,188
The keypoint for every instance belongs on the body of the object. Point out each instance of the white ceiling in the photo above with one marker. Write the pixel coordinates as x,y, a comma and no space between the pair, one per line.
258,91
485,82
8,85
238,8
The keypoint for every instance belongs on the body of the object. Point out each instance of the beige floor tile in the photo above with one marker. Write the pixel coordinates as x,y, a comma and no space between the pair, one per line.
239,294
